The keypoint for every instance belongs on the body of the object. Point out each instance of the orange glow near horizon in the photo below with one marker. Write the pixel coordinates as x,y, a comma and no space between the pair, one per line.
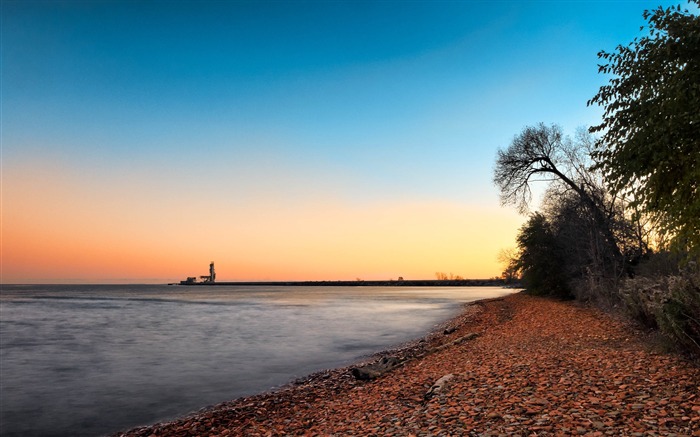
316,243
299,150
58,229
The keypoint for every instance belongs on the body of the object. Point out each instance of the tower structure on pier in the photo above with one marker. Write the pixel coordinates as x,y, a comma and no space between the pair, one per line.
212,274
204,279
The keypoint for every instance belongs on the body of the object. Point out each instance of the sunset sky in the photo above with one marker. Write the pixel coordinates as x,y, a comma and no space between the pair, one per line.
282,140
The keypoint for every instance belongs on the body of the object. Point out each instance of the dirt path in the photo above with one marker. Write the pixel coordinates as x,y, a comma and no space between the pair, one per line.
538,367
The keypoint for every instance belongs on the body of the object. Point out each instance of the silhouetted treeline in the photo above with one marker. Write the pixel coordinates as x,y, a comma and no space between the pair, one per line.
619,224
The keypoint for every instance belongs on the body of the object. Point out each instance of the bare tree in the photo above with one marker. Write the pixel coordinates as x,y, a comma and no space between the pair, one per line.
508,258
543,153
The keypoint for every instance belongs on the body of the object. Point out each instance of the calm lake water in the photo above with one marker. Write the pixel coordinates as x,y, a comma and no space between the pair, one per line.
91,360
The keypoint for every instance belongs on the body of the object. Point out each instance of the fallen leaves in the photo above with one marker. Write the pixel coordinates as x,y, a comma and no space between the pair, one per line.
539,367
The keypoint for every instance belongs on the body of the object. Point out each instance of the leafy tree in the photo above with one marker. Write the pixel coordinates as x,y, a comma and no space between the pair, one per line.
576,234
540,258
650,144
586,263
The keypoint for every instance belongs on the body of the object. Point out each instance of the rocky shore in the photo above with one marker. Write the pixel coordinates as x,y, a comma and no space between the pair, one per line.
518,365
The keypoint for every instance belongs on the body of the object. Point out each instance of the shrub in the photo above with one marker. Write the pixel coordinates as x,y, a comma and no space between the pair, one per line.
670,303
679,316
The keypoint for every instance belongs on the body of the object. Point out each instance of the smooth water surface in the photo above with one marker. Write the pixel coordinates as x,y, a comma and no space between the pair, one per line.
92,360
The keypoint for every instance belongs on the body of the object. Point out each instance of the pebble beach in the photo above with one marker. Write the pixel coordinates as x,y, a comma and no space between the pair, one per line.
518,365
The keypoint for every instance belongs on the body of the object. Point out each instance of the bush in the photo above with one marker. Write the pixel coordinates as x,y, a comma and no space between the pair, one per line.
670,303
679,317
596,289
644,298
664,263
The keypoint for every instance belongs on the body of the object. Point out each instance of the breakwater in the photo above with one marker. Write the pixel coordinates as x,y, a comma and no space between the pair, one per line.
363,283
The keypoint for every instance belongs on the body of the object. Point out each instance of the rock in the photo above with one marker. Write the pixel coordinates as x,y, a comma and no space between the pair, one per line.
372,371
439,385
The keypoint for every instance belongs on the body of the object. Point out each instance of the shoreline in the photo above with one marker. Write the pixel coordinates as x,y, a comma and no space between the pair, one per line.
410,350
359,283
525,348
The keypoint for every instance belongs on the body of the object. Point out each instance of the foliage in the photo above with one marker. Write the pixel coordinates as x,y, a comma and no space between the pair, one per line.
608,199
540,258
643,298
650,147
585,266
670,303
680,315
544,151
659,264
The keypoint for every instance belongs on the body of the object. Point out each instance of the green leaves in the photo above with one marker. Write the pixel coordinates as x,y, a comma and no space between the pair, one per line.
650,144
540,258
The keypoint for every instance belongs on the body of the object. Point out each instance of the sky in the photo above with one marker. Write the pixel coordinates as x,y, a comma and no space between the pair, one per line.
283,140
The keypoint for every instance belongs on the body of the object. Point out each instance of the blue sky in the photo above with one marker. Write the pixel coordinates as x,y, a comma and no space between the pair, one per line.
243,105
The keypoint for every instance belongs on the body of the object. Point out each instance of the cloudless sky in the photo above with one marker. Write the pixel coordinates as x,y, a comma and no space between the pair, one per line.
282,140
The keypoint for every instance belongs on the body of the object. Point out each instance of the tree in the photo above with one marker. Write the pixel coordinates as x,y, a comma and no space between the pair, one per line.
585,260
650,144
510,260
540,258
543,151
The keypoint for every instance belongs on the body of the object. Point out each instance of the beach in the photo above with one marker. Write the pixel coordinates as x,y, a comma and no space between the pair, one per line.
93,360
517,365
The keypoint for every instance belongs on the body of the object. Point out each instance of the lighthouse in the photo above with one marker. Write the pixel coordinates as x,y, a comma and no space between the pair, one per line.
212,274
204,279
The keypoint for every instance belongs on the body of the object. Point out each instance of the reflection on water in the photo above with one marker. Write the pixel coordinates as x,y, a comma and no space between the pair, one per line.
91,360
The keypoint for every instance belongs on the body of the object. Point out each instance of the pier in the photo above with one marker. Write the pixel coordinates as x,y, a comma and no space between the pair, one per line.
389,283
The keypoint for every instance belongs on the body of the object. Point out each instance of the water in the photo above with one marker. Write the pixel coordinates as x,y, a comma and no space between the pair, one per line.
92,360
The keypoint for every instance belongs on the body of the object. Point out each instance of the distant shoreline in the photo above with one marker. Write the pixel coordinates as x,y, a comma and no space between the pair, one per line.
360,283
